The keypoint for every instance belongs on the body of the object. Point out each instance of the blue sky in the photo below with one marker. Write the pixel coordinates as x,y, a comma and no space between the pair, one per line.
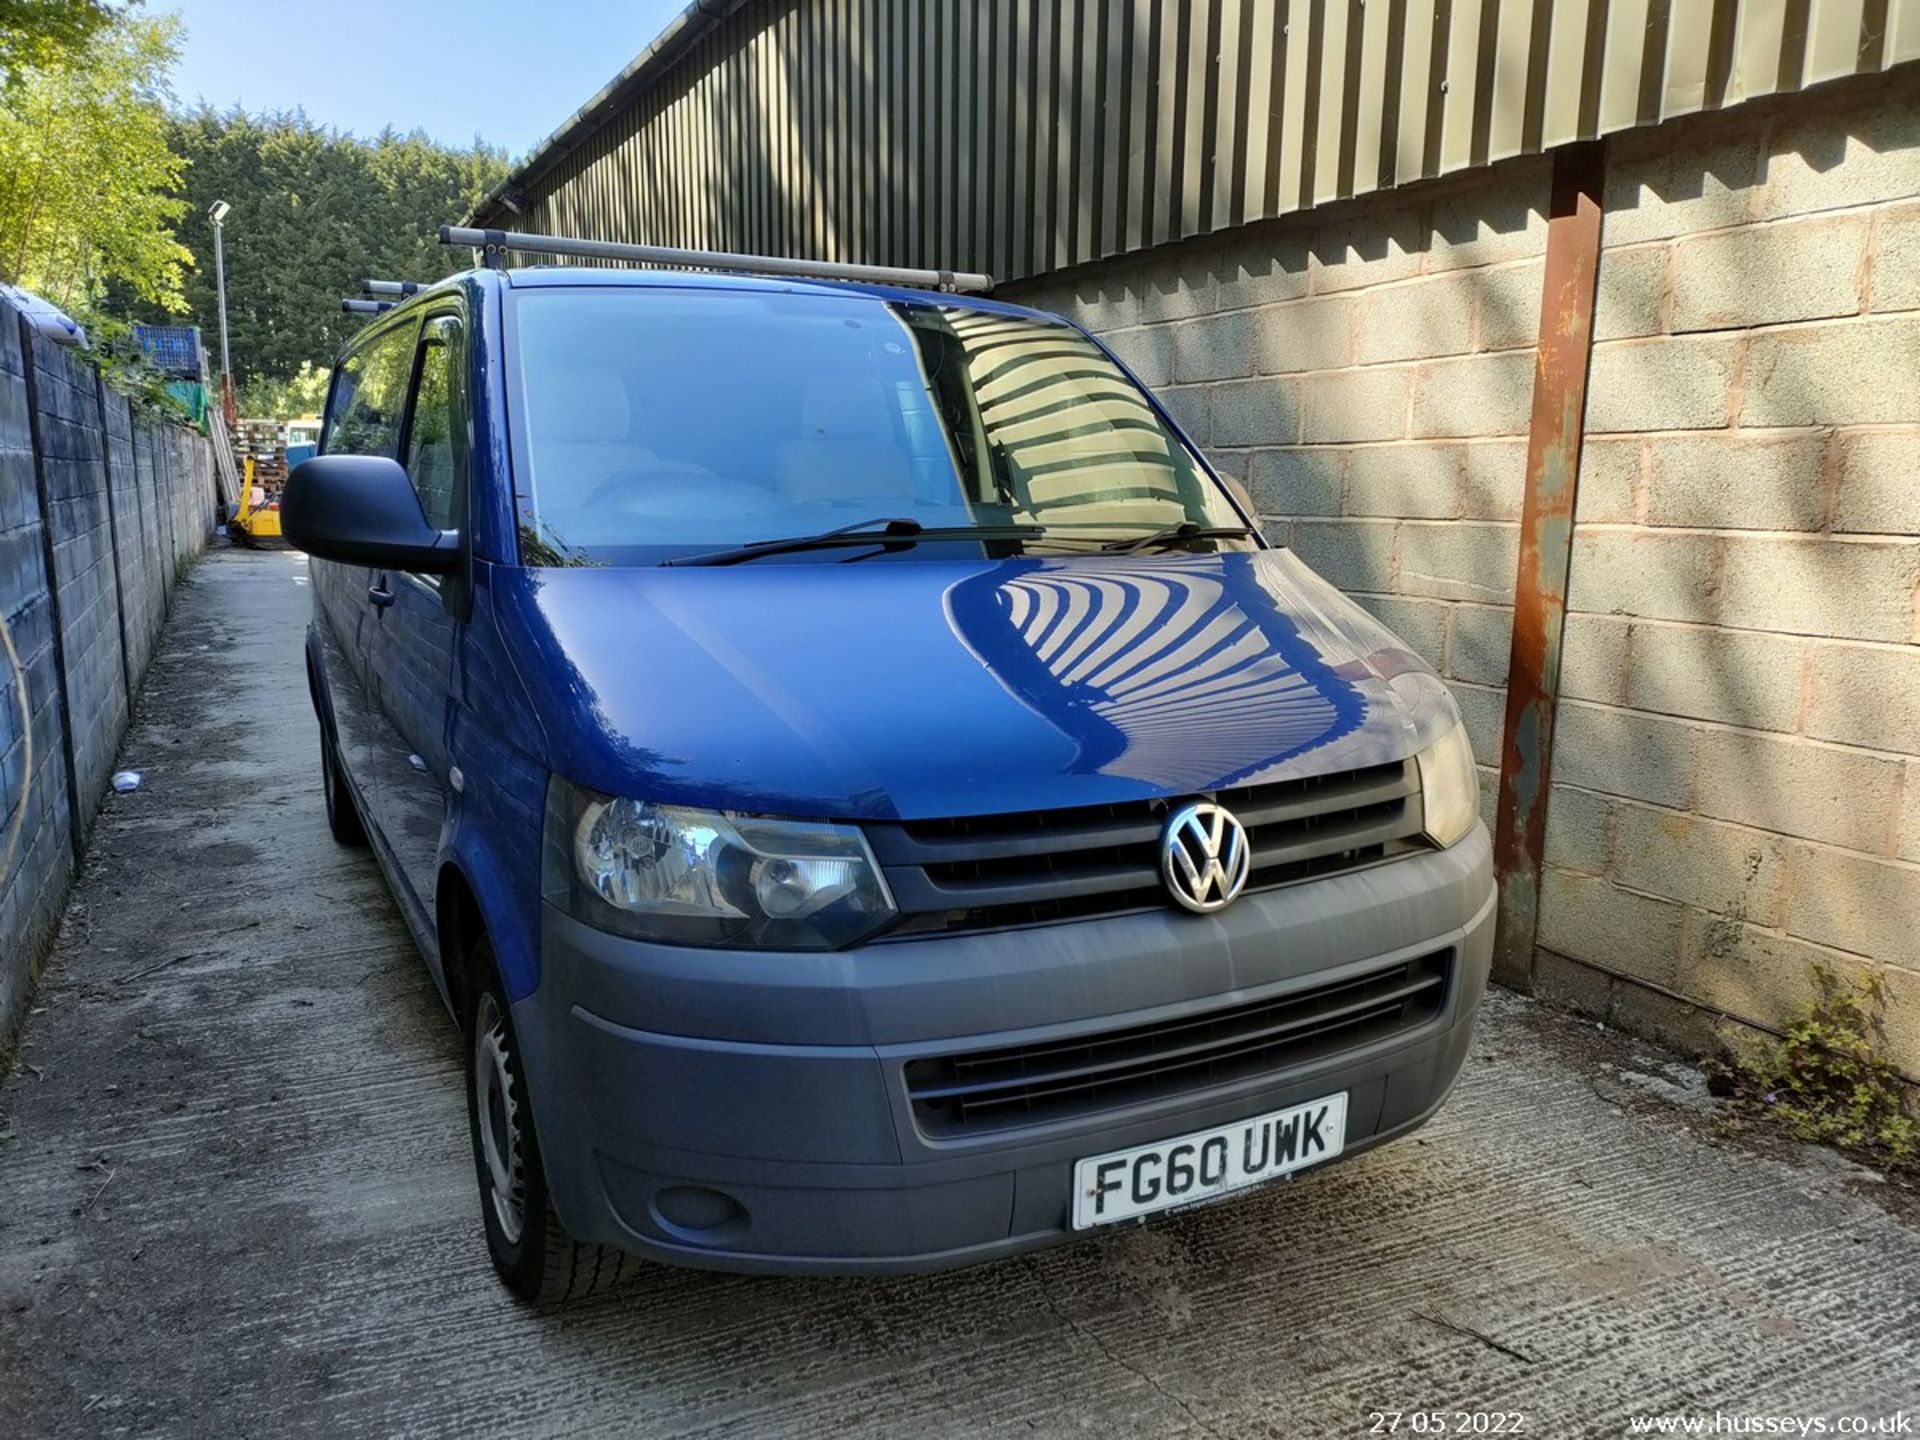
509,73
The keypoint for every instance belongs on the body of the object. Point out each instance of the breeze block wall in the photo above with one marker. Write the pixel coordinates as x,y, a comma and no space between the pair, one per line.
100,509
1736,791
1736,795
80,524
33,883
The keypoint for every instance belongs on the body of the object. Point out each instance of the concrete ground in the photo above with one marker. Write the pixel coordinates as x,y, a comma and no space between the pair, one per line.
236,1198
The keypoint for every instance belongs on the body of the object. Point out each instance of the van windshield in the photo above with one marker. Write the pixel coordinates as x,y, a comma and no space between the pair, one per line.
656,423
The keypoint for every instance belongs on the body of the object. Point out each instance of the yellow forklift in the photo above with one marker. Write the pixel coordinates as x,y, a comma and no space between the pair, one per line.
256,523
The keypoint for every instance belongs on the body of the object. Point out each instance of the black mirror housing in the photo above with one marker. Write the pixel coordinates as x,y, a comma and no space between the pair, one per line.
362,510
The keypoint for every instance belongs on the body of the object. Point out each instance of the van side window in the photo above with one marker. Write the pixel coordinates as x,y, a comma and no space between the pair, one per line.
432,459
370,396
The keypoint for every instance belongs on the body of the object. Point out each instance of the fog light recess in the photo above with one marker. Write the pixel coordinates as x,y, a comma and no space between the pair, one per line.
698,1215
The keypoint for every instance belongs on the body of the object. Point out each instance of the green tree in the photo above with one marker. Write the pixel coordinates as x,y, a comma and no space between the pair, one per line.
315,211
302,393
44,34
87,175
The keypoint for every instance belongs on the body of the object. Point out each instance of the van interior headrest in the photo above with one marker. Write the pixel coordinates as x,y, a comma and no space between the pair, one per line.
581,404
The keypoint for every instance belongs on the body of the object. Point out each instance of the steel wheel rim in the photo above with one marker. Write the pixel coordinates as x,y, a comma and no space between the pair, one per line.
497,1119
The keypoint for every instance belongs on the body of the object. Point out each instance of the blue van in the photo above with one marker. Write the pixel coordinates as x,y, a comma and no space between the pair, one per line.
868,793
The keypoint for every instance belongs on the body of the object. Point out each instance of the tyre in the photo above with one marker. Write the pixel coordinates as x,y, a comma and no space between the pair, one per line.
343,819
539,1261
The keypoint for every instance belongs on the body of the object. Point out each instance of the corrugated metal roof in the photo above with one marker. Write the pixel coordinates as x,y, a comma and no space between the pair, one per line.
1021,136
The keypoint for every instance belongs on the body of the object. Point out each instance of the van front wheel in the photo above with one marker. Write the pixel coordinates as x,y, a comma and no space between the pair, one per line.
536,1257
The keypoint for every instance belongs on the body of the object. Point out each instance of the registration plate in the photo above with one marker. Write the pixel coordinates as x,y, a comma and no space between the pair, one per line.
1208,1163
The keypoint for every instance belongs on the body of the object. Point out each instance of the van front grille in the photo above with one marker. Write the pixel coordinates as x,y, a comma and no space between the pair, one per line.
1004,1089
988,871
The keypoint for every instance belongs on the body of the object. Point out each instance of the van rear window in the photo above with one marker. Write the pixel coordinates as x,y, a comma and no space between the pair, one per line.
661,422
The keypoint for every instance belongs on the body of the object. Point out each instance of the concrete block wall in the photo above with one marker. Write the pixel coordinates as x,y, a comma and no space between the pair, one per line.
99,511
135,555
1737,767
1737,775
38,835
156,531
80,526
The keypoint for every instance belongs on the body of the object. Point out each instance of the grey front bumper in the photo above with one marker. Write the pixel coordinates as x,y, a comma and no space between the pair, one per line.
748,1110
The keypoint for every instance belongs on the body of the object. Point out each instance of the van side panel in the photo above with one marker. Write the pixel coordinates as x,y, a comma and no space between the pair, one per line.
496,820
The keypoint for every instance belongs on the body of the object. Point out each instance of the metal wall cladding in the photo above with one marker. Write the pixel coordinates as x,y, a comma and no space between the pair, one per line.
1023,136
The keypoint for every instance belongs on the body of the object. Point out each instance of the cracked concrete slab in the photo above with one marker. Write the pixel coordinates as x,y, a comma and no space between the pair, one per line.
237,1198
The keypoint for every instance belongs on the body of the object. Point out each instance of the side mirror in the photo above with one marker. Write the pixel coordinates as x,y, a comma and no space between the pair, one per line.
361,510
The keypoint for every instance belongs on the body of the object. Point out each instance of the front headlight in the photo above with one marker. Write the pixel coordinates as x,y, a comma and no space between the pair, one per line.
1449,787
709,877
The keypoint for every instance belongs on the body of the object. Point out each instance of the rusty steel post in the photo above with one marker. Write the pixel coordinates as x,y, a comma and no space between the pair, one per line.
1546,550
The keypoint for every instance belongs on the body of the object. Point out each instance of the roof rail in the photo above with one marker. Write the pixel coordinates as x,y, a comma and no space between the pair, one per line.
366,307
392,287
494,245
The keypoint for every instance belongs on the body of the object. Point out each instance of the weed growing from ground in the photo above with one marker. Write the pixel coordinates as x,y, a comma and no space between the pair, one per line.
1827,1080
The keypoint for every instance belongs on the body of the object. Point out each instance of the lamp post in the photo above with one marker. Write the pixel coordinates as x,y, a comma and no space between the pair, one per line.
217,213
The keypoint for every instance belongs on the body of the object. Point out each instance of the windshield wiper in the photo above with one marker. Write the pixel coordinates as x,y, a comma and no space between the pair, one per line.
887,527
1185,533
884,531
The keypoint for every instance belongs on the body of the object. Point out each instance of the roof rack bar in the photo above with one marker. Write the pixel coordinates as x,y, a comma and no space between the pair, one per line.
366,307
495,243
392,287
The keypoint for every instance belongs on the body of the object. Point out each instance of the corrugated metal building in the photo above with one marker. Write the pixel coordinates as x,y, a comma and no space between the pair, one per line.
1023,136
1434,280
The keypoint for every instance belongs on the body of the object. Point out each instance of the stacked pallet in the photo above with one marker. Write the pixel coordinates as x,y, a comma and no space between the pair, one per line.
265,442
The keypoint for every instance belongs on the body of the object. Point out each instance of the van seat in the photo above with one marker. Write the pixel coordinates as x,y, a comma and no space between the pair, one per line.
849,450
